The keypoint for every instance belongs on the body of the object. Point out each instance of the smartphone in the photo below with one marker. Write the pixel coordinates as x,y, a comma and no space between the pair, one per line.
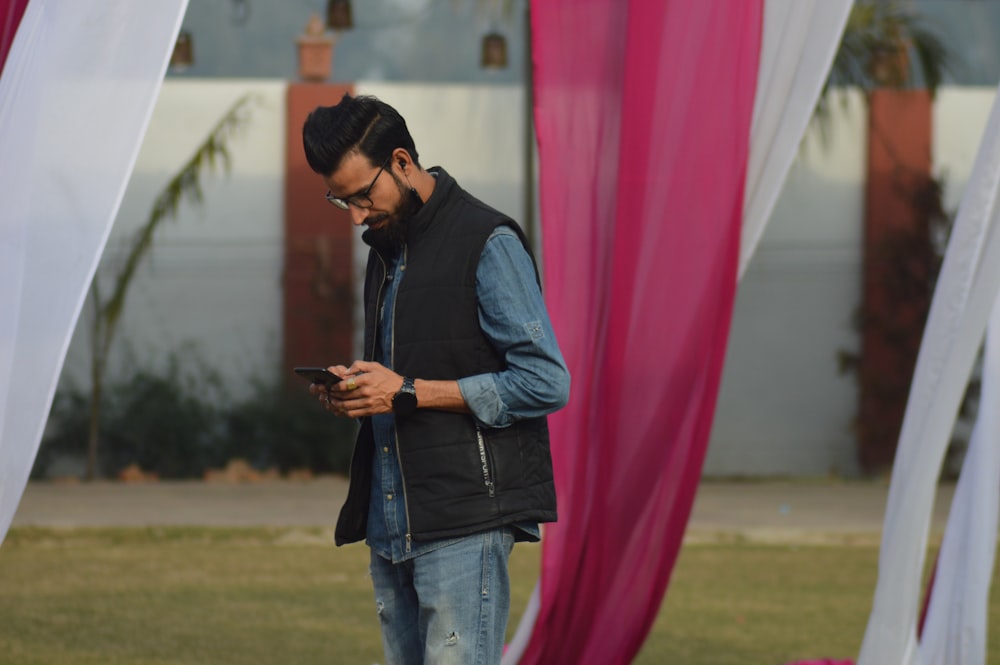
319,375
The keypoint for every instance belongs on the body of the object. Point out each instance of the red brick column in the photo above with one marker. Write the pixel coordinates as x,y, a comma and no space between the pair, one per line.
897,261
318,294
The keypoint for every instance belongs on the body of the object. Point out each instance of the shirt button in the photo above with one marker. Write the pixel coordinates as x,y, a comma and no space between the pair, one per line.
385,450
389,497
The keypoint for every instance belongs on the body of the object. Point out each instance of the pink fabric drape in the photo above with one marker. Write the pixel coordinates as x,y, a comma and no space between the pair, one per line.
11,12
643,114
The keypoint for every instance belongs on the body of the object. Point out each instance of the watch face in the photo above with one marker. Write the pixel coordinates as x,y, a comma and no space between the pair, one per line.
404,403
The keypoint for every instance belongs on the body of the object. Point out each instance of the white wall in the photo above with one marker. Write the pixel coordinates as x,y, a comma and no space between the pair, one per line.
212,288
960,117
783,407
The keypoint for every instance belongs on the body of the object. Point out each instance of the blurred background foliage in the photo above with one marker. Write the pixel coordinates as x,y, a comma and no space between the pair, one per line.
180,424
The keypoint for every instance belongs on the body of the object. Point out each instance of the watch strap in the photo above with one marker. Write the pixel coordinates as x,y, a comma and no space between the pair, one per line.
404,402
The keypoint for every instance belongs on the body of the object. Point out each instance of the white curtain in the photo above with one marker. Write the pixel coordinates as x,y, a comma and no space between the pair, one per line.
800,41
955,628
966,291
76,95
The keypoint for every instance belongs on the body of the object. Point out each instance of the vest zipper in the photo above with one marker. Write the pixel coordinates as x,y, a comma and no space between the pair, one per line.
378,297
402,476
399,456
484,460
378,303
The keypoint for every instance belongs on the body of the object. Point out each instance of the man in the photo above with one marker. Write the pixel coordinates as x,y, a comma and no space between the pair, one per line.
451,465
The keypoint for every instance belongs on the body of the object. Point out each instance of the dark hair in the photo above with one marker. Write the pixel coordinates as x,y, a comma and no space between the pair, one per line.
362,123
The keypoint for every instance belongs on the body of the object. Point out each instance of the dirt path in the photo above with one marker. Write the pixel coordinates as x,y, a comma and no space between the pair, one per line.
756,511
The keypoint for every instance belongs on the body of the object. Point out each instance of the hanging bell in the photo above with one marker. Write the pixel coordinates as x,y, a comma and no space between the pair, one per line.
338,15
494,54
183,55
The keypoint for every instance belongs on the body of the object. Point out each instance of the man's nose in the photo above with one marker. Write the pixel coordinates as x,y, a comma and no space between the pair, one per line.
358,215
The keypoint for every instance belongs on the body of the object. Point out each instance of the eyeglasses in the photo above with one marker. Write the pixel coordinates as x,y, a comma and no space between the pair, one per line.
362,200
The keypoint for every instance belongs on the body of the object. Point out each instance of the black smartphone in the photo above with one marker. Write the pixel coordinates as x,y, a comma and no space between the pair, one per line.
319,375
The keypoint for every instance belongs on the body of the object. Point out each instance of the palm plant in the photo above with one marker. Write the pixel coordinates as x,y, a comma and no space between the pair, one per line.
886,45
108,309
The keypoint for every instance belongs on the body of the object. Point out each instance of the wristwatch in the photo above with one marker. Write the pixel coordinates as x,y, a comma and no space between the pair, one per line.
405,401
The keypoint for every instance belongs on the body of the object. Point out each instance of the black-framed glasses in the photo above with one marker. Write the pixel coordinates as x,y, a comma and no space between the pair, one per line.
362,200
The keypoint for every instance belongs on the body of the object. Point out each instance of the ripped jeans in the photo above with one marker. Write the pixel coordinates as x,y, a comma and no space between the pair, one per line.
448,606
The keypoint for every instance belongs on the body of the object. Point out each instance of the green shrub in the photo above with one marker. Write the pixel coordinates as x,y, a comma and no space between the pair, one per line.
286,428
157,424
179,426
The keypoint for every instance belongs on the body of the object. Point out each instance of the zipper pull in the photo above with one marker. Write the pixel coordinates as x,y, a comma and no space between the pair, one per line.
408,543
490,485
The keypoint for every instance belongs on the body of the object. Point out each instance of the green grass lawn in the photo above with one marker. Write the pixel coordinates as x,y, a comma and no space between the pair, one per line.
253,596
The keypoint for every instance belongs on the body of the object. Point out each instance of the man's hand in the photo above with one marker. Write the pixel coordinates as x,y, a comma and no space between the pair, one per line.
367,390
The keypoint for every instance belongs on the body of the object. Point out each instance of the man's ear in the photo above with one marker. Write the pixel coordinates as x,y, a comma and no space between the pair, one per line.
402,158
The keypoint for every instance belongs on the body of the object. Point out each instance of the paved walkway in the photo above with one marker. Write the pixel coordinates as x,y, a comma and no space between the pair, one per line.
785,511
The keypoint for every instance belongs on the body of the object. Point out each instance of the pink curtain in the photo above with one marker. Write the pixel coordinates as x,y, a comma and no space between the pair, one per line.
643,114
11,12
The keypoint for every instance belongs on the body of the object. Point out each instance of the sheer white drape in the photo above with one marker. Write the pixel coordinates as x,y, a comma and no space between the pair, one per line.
75,98
955,628
966,291
800,40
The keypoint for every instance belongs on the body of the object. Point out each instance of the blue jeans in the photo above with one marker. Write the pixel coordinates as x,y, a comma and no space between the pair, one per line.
448,606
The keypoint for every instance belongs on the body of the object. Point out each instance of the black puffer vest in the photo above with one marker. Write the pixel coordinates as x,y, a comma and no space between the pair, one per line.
458,477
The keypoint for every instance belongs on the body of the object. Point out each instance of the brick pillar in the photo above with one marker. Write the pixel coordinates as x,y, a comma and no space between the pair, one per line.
318,294
897,264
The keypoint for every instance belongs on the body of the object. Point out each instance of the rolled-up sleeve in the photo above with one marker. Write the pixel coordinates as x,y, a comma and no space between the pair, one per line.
512,314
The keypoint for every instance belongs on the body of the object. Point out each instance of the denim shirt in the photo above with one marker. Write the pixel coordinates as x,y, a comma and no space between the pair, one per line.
513,315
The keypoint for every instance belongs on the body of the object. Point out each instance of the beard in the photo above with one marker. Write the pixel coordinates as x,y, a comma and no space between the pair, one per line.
393,230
